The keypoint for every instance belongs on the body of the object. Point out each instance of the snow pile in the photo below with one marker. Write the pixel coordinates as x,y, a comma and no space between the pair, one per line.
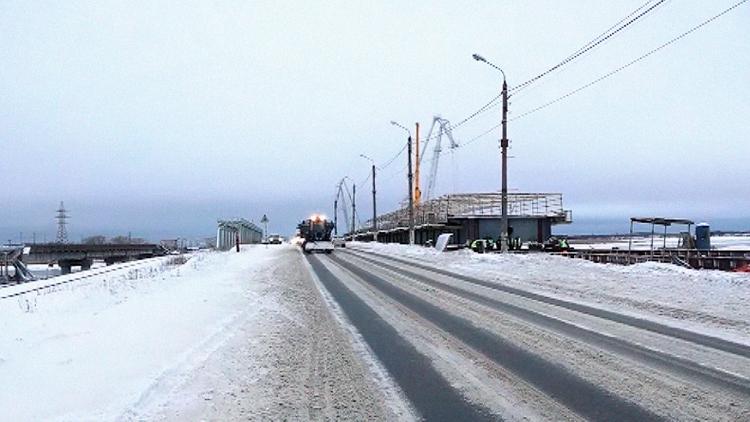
713,302
723,242
93,348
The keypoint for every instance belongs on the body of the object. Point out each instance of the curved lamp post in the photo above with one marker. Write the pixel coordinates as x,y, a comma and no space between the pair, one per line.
504,157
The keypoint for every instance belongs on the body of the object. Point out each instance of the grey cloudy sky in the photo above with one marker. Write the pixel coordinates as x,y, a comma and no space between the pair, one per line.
158,117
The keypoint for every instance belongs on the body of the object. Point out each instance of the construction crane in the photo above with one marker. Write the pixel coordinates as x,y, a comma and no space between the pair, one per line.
342,192
444,128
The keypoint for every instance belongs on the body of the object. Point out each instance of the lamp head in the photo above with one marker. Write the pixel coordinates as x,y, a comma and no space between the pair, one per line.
478,58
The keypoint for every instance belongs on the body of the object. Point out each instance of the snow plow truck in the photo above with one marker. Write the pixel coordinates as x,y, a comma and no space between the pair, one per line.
316,234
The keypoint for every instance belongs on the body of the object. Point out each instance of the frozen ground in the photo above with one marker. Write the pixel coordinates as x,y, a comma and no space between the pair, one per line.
42,271
734,242
713,302
221,337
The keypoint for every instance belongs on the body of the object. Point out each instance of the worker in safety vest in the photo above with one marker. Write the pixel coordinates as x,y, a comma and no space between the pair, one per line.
489,243
563,243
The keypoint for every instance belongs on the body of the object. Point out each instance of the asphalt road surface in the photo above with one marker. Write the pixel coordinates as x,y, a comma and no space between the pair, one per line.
463,348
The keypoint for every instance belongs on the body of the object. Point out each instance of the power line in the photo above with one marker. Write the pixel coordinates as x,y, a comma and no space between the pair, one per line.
601,38
587,47
389,162
481,110
673,40
625,66
606,35
362,183
394,174
351,200
481,135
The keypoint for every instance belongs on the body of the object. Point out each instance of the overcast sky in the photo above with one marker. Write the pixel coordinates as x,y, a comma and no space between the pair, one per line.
159,117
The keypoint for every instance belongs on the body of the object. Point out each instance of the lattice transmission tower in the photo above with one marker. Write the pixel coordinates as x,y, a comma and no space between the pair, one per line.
62,230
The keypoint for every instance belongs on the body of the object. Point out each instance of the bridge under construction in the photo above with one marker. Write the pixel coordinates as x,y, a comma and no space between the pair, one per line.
470,216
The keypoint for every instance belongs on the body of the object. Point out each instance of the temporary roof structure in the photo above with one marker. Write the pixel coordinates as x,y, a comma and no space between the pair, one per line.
656,221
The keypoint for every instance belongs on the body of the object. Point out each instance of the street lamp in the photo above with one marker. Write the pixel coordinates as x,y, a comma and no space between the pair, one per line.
374,203
354,206
504,158
411,186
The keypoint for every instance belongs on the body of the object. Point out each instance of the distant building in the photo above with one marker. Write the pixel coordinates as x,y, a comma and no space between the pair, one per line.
171,244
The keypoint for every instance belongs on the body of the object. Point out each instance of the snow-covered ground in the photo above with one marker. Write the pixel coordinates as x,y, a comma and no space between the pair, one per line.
728,242
223,336
93,348
42,271
713,302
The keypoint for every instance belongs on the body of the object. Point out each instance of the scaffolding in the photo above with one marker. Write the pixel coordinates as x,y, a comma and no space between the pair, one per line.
476,205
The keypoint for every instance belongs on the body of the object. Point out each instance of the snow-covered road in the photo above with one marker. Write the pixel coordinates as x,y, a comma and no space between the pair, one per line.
706,301
519,354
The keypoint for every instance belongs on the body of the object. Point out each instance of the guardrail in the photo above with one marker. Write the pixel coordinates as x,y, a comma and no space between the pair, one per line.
725,260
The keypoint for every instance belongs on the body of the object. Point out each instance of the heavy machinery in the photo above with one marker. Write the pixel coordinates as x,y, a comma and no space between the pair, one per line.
316,232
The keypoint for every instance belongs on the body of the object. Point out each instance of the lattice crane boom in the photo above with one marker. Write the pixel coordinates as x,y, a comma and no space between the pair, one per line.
444,128
341,196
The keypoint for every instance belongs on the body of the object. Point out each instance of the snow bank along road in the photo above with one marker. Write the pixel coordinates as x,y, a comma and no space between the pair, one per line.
224,336
462,347
376,333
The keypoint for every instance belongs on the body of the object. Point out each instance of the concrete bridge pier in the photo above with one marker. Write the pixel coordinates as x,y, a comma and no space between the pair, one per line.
67,264
65,267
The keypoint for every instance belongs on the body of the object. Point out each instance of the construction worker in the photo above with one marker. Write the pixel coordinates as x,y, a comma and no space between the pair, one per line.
489,243
563,244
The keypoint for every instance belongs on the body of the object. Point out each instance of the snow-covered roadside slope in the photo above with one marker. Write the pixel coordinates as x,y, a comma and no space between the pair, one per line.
91,349
723,243
712,302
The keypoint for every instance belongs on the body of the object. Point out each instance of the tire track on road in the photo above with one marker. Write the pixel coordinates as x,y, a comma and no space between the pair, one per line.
576,393
654,358
682,334
429,392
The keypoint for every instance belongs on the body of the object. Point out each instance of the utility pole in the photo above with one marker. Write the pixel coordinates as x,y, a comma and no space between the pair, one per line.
504,159
417,189
374,208
336,216
504,154
411,193
374,227
410,176
354,208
